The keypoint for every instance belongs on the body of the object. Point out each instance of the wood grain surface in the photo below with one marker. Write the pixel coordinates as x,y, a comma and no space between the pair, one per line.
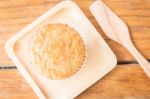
126,81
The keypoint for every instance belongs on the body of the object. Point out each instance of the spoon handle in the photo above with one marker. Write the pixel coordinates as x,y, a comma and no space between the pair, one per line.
142,61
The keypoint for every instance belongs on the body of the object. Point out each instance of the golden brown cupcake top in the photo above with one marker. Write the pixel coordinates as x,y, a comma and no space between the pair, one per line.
57,51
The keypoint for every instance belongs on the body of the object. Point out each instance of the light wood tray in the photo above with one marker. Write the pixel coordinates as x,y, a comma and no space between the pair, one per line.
100,59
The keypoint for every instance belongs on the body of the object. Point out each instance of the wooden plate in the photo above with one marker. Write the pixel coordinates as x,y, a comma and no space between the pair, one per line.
100,59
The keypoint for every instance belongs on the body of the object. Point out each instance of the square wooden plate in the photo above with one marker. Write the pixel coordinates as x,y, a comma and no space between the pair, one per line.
100,59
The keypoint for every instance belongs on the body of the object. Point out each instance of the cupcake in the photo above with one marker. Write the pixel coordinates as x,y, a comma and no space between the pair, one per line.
56,51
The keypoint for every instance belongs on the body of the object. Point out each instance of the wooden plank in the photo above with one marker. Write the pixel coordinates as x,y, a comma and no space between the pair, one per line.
13,85
17,14
124,82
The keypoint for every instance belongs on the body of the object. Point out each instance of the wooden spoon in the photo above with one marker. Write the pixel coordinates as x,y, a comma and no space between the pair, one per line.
117,30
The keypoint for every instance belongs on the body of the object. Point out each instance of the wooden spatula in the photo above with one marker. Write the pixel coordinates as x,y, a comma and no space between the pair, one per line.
117,30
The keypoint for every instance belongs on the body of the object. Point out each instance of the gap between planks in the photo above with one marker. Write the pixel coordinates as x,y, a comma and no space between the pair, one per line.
118,63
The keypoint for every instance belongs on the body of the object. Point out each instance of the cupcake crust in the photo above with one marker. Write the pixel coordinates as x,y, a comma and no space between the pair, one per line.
57,51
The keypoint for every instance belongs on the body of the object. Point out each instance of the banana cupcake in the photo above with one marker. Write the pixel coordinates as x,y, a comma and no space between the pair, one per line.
56,51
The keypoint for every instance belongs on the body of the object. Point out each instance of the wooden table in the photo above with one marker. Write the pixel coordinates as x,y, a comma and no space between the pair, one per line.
126,81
